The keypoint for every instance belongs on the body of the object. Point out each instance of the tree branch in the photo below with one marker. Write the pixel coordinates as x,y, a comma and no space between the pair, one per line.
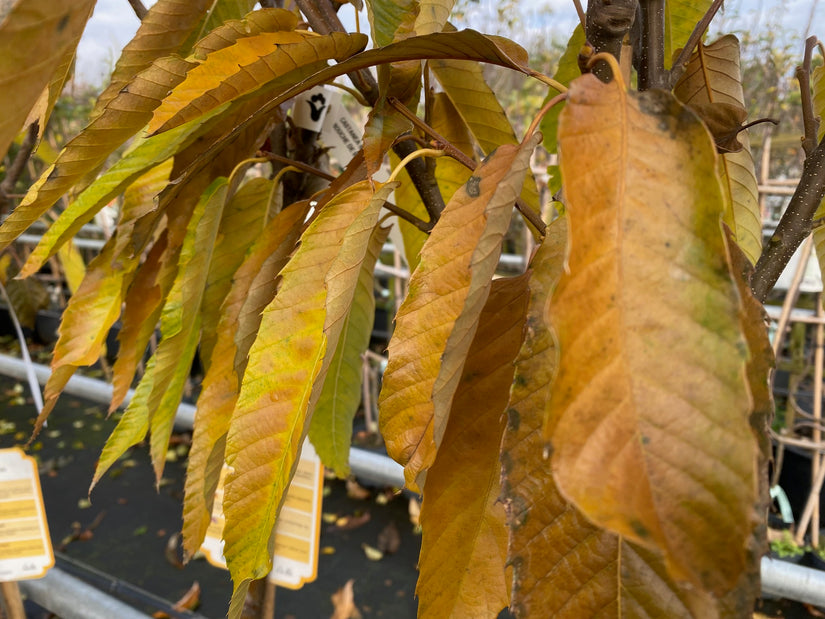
693,40
810,124
16,168
322,17
139,9
607,24
652,72
795,225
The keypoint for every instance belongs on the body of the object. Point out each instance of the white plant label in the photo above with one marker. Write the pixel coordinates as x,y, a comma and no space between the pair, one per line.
25,545
340,133
311,107
297,530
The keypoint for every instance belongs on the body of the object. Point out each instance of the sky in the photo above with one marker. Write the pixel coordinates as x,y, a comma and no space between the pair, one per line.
114,24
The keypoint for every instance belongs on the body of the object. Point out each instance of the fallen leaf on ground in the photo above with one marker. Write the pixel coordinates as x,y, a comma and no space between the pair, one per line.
189,601
415,511
171,553
373,554
357,491
344,602
347,523
388,539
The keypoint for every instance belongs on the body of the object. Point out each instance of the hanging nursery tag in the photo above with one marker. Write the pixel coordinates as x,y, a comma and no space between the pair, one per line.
297,530
295,559
340,133
25,546
311,108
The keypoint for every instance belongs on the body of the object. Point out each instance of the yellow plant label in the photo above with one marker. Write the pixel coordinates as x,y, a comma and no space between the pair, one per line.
297,530
25,545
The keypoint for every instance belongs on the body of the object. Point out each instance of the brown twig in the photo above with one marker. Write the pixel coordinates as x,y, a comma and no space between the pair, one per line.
695,37
424,226
652,72
810,123
322,17
304,167
607,24
454,152
139,9
795,225
580,13
17,166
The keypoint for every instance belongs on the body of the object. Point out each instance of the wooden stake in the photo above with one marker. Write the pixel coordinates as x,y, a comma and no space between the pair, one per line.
12,600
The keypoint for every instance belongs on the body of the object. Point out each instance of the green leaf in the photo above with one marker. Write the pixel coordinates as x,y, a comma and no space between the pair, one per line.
330,429
147,153
180,320
221,384
283,377
243,221
388,17
681,17
567,71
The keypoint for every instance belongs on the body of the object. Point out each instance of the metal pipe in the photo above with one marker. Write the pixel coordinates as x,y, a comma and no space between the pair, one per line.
778,577
71,598
794,582
370,466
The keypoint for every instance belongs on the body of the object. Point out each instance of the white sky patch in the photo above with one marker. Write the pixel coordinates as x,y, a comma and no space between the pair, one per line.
114,24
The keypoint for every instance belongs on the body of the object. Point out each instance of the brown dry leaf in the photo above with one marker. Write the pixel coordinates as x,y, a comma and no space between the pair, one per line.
446,295
344,602
189,601
724,121
563,566
41,30
356,490
464,544
713,76
347,523
657,368
389,539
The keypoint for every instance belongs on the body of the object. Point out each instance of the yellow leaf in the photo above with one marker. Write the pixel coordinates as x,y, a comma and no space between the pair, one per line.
221,383
281,382
446,294
654,368
180,320
91,312
449,174
818,88
564,566
124,116
243,221
475,101
73,266
713,76
36,36
228,33
162,32
246,66
681,17
330,429
464,543
142,307
432,15
465,45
